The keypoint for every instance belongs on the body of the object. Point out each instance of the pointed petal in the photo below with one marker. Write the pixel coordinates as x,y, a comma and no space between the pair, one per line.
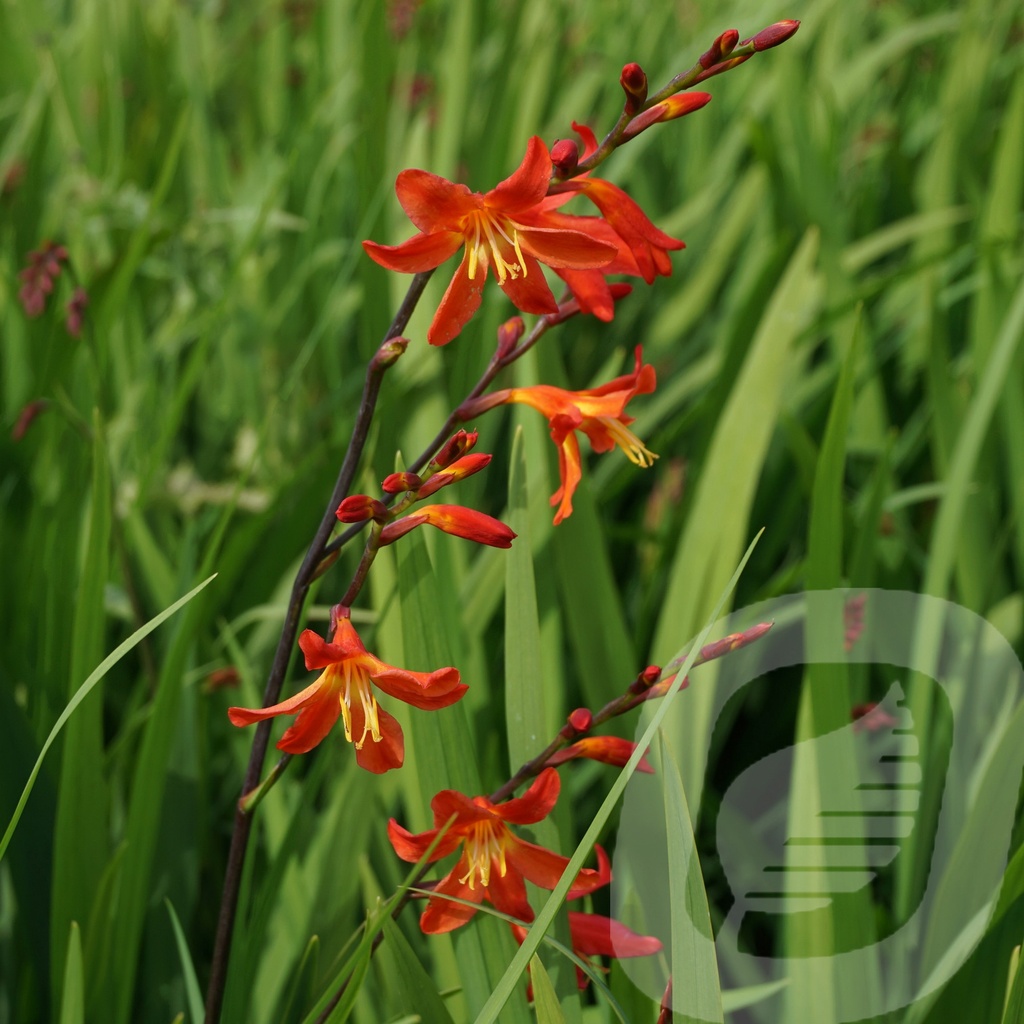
434,203
528,185
541,866
530,293
384,754
536,803
314,722
321,654
508,893
560,248
591,291
442,915
595,935
570,469
427,691
419,253
460,302
467,812
411,846
316,691
588,137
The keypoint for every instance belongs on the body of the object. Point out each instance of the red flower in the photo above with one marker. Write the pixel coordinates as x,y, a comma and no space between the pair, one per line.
43,269
508,228
494,861
596,935
598,412
343,689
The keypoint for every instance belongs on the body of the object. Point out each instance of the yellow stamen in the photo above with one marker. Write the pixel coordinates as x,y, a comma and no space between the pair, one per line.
356,678
634,448
484,224
484,848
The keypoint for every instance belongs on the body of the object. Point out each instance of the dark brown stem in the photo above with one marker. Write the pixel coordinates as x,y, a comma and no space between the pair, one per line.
378,366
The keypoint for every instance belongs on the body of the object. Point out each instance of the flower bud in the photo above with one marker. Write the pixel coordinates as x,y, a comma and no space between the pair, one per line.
456,446
579,721
396,483
565,155
357,508
454,519
458,470
680,105
634,85
509,334
721,47
775,34
389,353
646,679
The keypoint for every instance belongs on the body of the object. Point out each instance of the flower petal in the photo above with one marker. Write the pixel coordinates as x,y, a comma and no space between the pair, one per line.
596,935
425,690
460,302
319,653
419,253
411,847
560,248
434,203
570,469
541,866
442,915
535,804
451,801
315,692
379,756
531,292
508,893
527,185
314,722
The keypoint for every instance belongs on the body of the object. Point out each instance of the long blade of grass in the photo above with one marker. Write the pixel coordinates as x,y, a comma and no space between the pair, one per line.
84,690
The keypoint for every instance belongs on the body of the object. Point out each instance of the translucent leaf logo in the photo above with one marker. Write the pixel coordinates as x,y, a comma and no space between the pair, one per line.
851,872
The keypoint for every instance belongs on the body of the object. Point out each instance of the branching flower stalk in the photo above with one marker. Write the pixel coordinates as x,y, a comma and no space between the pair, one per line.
509,231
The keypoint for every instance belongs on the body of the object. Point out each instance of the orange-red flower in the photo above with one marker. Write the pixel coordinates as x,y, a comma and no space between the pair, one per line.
597,935
344,689
598,412
508,229
494,861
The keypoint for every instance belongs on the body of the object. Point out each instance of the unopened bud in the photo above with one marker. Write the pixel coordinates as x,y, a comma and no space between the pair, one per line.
721,47
775,34
679,105
462,467
579,721
396,483
509,334
339,612
455,447
565,155
357,508
646,679
634,85
389,353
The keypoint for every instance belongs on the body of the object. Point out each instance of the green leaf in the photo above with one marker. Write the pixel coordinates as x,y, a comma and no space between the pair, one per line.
410,987
83,691
545,1001
1014,1012
72,1007
193,995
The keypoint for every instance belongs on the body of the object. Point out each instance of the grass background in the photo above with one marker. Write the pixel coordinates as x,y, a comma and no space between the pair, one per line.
211,169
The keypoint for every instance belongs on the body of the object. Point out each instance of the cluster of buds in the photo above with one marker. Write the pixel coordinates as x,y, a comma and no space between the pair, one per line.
38,280
451,464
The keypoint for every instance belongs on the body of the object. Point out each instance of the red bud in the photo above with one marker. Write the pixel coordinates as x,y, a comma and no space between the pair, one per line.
357,508
458,470
775,34
721,47
396,483
634,85
510,332
565,155
457,445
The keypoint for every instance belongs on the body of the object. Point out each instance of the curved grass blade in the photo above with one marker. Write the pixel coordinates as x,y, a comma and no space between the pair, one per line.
188,971
83,691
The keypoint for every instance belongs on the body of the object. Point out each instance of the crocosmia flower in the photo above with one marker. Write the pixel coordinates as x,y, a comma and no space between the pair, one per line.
509,230
599,413
597,935
494,861
345,689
